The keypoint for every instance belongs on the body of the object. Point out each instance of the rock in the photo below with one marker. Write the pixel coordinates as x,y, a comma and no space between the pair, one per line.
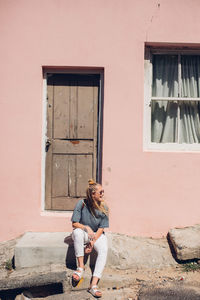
178,292
22,297
136,252
186,242
7,251
30,277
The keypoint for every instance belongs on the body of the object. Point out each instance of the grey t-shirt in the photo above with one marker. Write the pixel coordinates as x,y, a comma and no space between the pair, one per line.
82,215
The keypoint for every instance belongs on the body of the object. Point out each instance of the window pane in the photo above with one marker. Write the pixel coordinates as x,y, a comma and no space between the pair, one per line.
164,121
190,75
189,122
165,76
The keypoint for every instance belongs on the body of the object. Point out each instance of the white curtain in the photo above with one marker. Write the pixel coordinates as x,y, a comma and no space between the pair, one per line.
164,116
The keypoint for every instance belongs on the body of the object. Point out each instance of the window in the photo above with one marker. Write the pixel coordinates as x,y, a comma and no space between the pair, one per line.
172,100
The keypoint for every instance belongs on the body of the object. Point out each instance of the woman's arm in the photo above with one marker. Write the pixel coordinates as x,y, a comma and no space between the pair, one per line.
98,233
78,225
96,236
93,240
83,227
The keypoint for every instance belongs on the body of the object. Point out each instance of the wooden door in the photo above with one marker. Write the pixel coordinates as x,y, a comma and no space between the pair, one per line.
71,148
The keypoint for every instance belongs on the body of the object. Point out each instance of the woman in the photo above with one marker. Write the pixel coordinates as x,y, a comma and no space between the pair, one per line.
89,219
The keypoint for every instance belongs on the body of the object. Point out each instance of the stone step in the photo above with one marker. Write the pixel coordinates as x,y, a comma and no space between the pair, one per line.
27,278
125,252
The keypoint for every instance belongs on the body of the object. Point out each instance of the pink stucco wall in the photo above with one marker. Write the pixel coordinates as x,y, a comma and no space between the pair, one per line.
148,192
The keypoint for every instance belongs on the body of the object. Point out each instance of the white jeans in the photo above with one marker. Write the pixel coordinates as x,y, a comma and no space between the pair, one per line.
80,238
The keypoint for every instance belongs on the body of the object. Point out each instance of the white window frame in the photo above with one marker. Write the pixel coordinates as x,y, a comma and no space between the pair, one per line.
148,72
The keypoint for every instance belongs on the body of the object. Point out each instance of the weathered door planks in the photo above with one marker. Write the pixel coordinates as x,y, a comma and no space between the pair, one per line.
72,121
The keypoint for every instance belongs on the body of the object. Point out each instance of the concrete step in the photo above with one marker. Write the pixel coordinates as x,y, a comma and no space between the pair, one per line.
125,252
40,249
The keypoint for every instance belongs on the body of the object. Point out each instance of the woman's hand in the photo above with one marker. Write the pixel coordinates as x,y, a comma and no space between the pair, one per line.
92,243
89,247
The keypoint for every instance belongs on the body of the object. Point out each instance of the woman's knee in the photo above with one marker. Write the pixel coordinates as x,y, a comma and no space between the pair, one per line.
101,244
78,232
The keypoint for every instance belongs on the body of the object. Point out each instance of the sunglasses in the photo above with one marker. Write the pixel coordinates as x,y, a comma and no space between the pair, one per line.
99,192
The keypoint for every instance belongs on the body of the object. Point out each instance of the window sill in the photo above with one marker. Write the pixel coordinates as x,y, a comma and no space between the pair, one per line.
168,147
56,213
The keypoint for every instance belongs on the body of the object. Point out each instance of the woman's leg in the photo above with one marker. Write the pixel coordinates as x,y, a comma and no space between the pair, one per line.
80,237
101,246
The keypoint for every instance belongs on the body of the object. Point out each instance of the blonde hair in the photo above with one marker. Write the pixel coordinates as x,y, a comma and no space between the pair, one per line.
91,189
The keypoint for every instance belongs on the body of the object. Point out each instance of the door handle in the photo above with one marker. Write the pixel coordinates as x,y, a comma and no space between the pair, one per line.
48,143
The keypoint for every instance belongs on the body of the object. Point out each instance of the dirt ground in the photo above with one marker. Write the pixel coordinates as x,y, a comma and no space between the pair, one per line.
165,284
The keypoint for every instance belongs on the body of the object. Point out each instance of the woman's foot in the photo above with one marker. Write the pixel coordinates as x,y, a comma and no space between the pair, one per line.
94,291
78,274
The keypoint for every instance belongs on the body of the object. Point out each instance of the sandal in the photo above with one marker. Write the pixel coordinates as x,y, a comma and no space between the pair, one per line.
79,272
94,290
